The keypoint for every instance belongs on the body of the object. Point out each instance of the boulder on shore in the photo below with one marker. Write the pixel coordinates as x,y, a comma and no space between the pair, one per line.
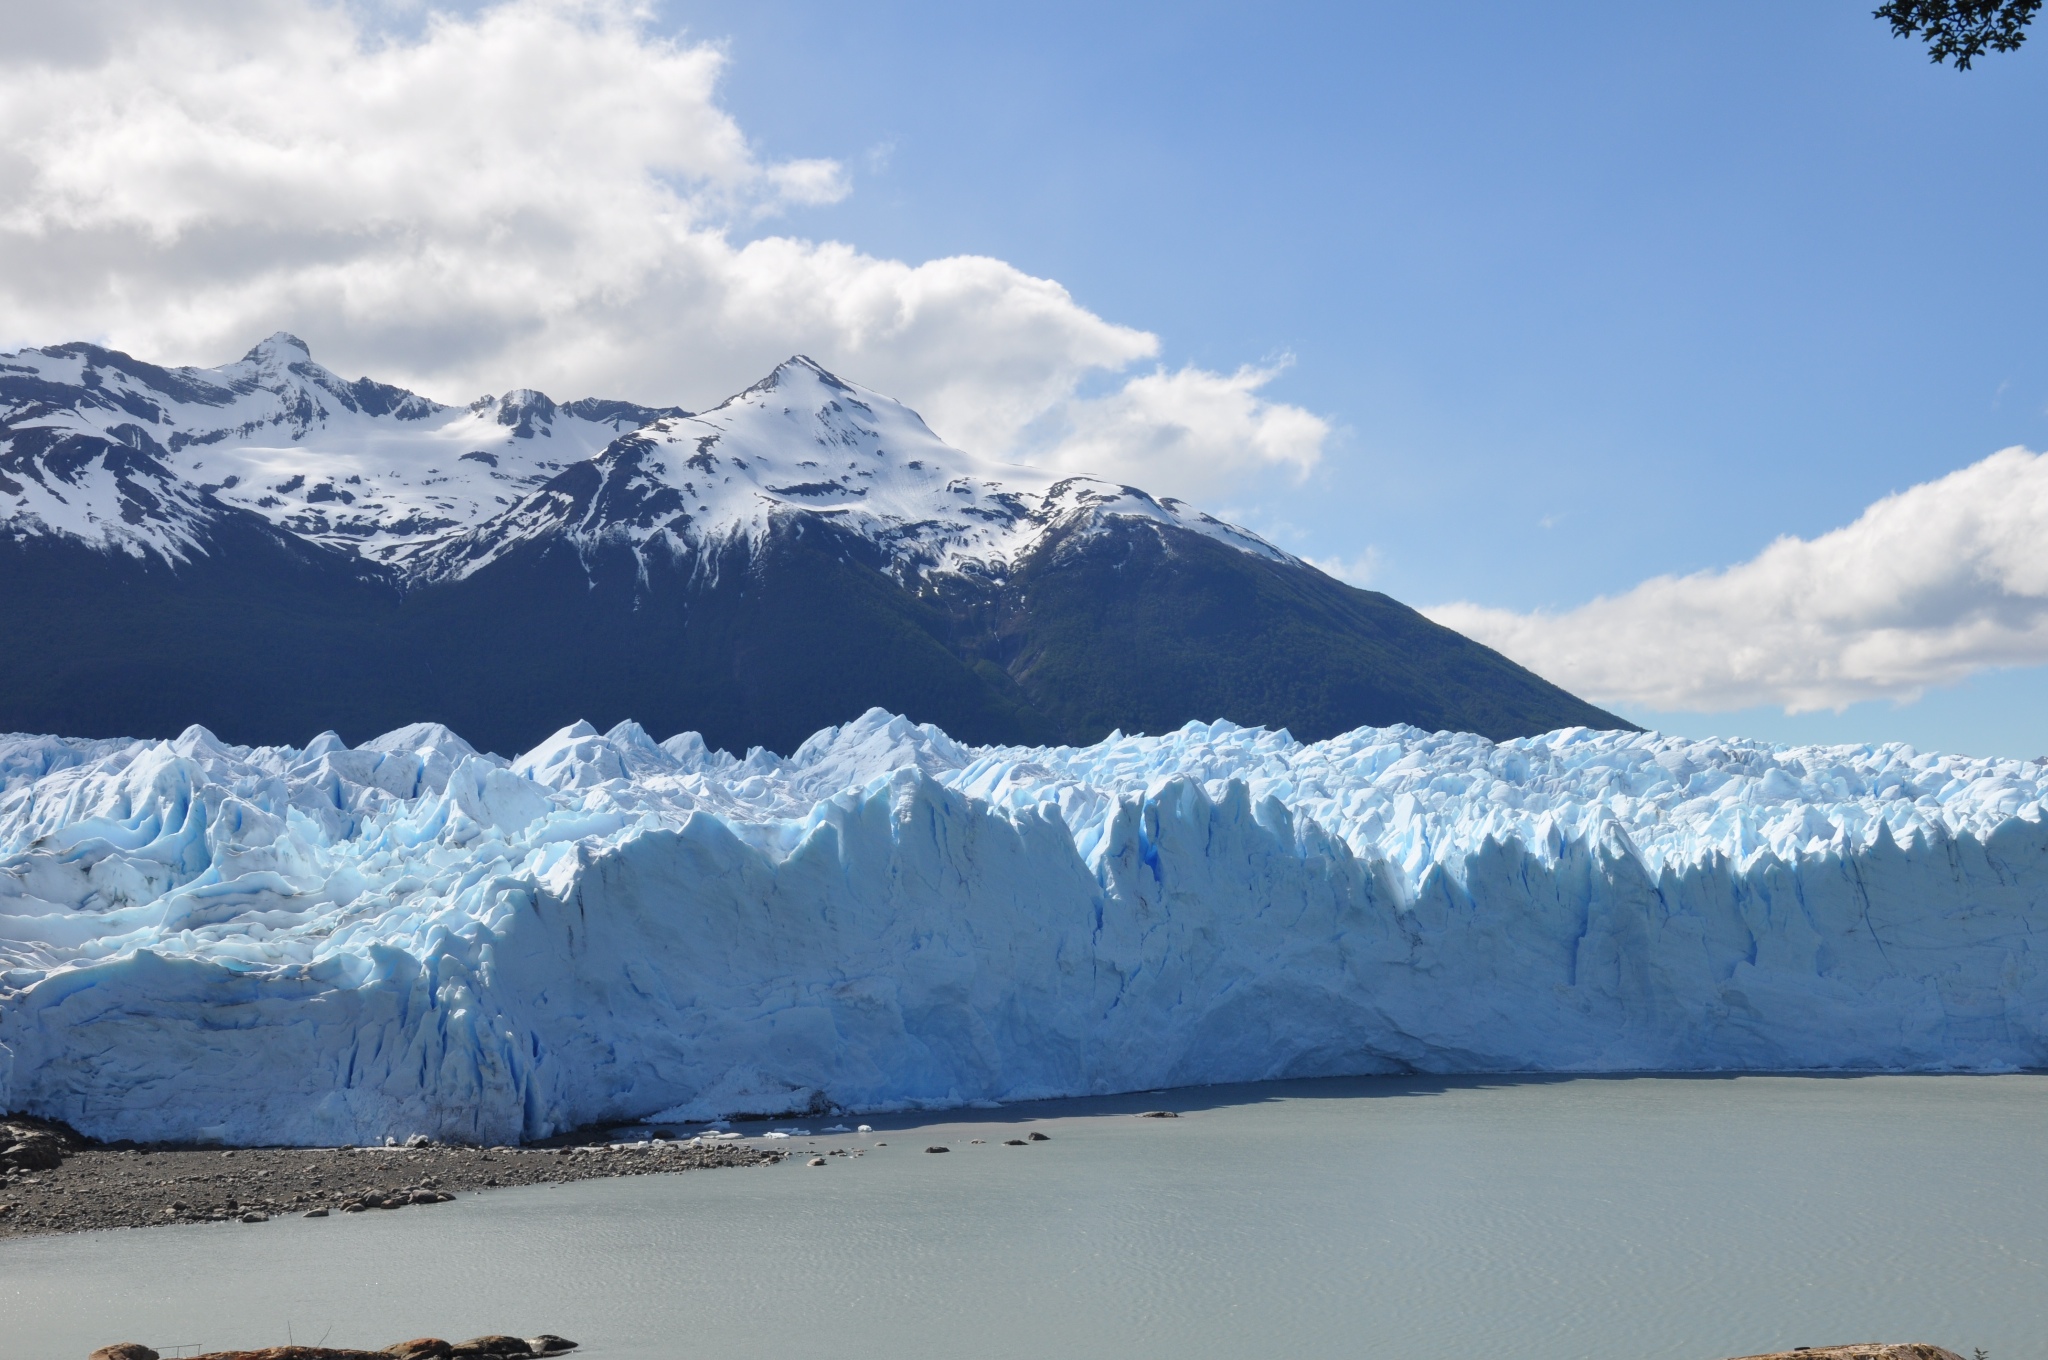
30,1144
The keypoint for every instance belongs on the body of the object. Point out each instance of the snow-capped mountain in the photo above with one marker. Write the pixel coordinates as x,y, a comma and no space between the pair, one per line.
804,441
270,549
124,454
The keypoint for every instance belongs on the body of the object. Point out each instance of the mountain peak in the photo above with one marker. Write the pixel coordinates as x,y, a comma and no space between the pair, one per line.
796,369
279,347
806,364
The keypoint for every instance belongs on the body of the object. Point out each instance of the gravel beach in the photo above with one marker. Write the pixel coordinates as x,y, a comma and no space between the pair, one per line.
139,1187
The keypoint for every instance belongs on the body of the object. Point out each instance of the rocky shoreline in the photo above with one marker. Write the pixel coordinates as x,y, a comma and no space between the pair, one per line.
53,1181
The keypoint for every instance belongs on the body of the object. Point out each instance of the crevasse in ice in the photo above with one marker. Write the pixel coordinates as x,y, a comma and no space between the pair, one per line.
334,944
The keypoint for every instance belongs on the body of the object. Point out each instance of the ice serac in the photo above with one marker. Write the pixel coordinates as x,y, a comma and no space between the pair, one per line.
337,944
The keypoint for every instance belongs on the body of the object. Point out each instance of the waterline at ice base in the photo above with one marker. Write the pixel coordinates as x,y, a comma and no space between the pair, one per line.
334,944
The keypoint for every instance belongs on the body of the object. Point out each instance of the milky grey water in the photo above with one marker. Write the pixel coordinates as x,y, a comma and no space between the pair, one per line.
1625,1218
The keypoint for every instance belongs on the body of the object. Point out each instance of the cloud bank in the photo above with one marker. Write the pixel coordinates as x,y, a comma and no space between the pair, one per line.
1927,587
542,193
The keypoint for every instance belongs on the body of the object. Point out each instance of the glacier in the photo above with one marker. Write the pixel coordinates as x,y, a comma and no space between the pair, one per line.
337,944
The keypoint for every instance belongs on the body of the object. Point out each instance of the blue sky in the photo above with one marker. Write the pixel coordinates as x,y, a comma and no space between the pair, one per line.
1668,348
1680,278
1593,292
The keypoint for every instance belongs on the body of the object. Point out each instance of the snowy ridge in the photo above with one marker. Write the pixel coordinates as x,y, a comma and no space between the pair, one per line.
327,944
804,442
125,455
359,465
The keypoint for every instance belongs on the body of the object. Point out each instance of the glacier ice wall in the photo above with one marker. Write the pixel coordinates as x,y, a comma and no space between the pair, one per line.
334,944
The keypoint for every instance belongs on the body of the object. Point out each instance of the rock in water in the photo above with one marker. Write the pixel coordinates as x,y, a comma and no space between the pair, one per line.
420,1348
491,1348
1867,1350
294,1353
1037,1137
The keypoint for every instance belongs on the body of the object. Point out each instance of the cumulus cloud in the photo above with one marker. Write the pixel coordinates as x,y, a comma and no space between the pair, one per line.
1926,587
1192,433
542,193
1358,571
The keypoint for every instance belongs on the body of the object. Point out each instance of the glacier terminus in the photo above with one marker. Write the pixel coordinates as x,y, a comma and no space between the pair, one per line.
338,944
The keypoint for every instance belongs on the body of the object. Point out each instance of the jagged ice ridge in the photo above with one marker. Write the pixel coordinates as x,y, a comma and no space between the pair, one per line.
331,944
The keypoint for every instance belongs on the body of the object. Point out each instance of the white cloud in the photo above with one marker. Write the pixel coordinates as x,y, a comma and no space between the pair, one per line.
1357,571
1927,587
542,193
1190,433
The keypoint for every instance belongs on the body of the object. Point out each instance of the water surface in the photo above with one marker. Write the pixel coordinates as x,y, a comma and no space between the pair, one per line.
1569,1219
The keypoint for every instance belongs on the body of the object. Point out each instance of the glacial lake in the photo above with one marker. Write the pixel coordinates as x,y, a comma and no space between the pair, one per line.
1625,1218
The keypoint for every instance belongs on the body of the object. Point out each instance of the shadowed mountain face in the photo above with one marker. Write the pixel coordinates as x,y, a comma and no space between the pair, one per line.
1144,629
271,551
